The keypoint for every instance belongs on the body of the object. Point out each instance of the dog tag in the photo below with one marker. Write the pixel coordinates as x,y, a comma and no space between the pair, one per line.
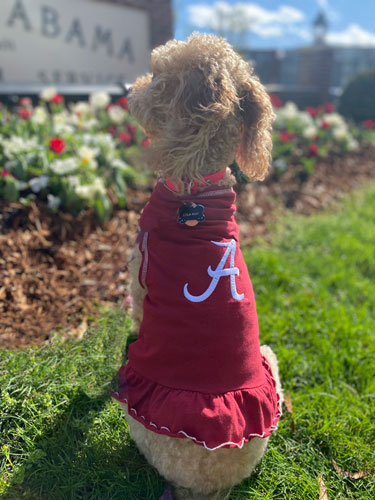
191,214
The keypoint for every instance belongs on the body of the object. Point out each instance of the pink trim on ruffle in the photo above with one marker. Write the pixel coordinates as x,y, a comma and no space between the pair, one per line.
164,430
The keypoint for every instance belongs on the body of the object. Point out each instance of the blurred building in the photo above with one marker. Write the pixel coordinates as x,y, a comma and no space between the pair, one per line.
160,16
314,74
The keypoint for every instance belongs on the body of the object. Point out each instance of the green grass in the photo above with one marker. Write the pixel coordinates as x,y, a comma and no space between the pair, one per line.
62,437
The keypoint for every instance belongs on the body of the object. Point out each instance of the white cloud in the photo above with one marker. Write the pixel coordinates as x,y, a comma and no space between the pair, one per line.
323,4
333,15
267,31
240,17
353,35
301,32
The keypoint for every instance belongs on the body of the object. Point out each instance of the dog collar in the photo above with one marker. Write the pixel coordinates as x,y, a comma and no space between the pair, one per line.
193,186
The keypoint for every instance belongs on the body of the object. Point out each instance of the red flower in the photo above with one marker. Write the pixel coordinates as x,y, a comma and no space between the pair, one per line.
368,124
286,136
125,137
275,101
57,145
312,111
112,130
123,102
5,173
146,142
313,150
325,124
131,129
25,102
329,107
57,99
25,114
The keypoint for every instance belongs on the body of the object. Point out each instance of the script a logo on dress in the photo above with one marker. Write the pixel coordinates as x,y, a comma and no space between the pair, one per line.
218,273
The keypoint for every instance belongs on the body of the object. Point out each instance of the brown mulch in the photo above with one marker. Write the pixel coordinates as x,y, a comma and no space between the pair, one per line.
56,268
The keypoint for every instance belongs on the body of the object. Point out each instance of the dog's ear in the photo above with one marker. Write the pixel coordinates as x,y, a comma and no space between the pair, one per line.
254,151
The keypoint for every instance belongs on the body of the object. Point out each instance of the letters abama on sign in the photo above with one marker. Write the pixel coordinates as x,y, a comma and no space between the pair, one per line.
75,41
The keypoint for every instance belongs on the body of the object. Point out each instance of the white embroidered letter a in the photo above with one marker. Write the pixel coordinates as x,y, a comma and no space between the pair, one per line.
218,273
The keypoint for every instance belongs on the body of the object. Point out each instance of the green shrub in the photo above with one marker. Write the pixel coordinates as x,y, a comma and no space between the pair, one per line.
357,101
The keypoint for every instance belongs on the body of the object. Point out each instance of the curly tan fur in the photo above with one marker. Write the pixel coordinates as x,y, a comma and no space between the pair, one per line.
203,108
137,292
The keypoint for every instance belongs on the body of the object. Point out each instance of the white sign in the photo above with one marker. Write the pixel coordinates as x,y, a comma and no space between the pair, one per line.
72,41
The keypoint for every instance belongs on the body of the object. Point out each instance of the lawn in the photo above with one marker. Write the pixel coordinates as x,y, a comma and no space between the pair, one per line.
62,437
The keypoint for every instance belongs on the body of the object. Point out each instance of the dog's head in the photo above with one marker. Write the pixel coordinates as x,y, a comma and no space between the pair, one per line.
202,107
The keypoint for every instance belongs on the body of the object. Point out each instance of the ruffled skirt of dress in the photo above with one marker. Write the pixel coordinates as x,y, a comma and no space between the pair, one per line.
214,421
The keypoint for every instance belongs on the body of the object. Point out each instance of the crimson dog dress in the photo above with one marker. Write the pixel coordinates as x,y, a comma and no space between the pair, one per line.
196,370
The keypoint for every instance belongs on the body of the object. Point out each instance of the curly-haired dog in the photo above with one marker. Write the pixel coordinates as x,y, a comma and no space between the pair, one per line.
201,395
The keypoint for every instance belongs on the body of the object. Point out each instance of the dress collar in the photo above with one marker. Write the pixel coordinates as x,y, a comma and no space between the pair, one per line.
192,187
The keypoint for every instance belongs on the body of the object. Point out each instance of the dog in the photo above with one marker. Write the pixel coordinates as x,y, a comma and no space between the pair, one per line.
201,396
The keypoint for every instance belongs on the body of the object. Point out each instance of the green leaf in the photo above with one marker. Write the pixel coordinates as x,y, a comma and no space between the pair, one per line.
309,164
9,190
102,206
19,171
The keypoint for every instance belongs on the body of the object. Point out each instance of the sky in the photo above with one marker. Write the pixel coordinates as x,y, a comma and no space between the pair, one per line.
277,24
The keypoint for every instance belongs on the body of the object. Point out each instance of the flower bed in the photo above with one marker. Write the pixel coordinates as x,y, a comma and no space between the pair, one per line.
305,136
71,157
86,154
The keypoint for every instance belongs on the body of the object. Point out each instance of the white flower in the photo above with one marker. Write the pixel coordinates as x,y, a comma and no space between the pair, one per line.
121,165
48,93
40,115
17,145
75,120
99,185
116,114
60,118
280,121
99,100
305,118
64,129
53,201
310,132
84,191
280,164
87,156
334,119
105,140
352,144
38,183
88,139
62,167
81,108
98,139
290,110
340,133
20,185
88,124
73,180
88,191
